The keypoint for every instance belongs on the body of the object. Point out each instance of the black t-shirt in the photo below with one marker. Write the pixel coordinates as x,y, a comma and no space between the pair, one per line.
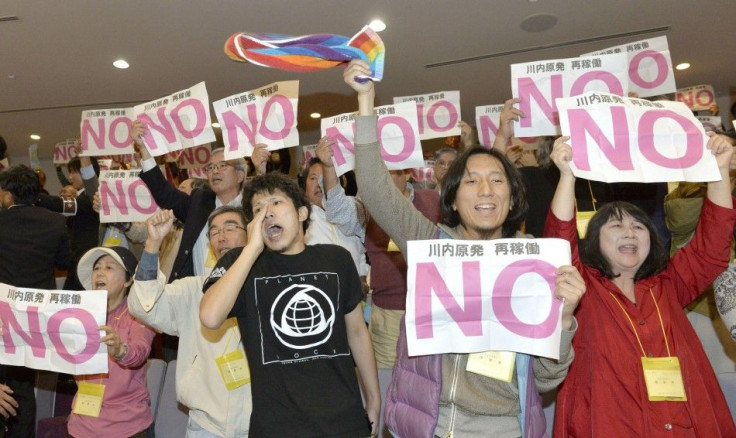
291,313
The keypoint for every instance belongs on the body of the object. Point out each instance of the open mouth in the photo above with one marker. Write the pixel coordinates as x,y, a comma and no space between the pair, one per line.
628,249
273,232
100,284
485,208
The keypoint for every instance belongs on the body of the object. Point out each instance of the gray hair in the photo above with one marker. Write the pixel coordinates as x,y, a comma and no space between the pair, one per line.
226,209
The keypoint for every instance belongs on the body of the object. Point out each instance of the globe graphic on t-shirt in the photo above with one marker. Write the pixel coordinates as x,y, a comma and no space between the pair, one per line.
302,316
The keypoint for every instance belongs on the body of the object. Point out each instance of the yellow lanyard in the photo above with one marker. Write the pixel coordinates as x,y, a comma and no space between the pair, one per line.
229,338
633,328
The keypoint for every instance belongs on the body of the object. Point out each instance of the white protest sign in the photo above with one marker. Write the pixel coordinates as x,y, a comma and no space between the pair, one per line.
309,151
124,197
53,330
106,132
710,123
424,174
621,139
697,98
479,295
64,151
196,157
650,66
398,135
265,115
438,113
487,121
178,121
538,84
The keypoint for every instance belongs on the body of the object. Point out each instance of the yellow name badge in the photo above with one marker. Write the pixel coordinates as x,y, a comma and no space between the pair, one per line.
583,218
392,247
663,378
211,260
112,240
497,365
89,399
233,369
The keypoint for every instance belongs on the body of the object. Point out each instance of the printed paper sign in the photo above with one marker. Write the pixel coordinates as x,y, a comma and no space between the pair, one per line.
710,123
621,139
538,84
106,132
697,98
468,296
124,197
398,135
64,151
650,66
424,174
438,114
265,115
196,157
178,121
488,119
53,330
309,151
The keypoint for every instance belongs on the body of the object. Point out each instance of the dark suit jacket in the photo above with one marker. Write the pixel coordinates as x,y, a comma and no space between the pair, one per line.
33,241
192,209
86,223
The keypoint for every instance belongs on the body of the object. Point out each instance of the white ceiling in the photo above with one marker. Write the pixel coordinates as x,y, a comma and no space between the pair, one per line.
61,52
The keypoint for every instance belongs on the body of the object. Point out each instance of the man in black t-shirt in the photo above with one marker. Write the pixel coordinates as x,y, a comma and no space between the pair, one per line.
298,311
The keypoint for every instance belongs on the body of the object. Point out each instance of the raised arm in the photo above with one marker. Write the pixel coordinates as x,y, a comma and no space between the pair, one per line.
563,202
719,192
220,298
386,205
509,115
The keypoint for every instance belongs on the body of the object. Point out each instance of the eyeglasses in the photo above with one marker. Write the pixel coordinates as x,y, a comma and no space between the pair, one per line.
228,229
222,165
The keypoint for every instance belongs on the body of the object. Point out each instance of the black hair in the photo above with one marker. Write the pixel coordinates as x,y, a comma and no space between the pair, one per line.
269,183
454,176
3,148
590,247
22,183
75,164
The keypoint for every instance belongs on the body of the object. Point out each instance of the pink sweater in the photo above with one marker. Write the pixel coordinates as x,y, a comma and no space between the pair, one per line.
126,405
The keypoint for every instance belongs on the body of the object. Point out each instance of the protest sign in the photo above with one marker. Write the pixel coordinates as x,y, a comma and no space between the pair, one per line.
710,123
53,330
438,114
424,174
471,296
106,132
178,121
309,151
196,157
650,66
398,135
487,121
124,197
64,151
265,115
617,139
697,98
538,84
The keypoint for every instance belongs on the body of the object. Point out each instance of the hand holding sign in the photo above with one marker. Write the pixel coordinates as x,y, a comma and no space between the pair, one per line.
720,147
562,156
509,115
569,287
115,346
260,158
324,151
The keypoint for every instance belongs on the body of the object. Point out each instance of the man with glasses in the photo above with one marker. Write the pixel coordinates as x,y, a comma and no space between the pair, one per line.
225,183
219,403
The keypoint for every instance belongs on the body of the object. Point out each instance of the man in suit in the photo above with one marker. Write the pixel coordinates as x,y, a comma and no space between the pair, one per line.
33,241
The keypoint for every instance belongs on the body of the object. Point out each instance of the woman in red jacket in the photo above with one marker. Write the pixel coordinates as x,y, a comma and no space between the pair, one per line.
639,368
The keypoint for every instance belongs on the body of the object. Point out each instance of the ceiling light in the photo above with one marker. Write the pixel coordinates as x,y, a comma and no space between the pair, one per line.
121,63
377,25
315,115
35,137
215,125
683,66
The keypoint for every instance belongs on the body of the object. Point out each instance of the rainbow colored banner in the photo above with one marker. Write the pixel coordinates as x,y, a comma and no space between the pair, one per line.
308,52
